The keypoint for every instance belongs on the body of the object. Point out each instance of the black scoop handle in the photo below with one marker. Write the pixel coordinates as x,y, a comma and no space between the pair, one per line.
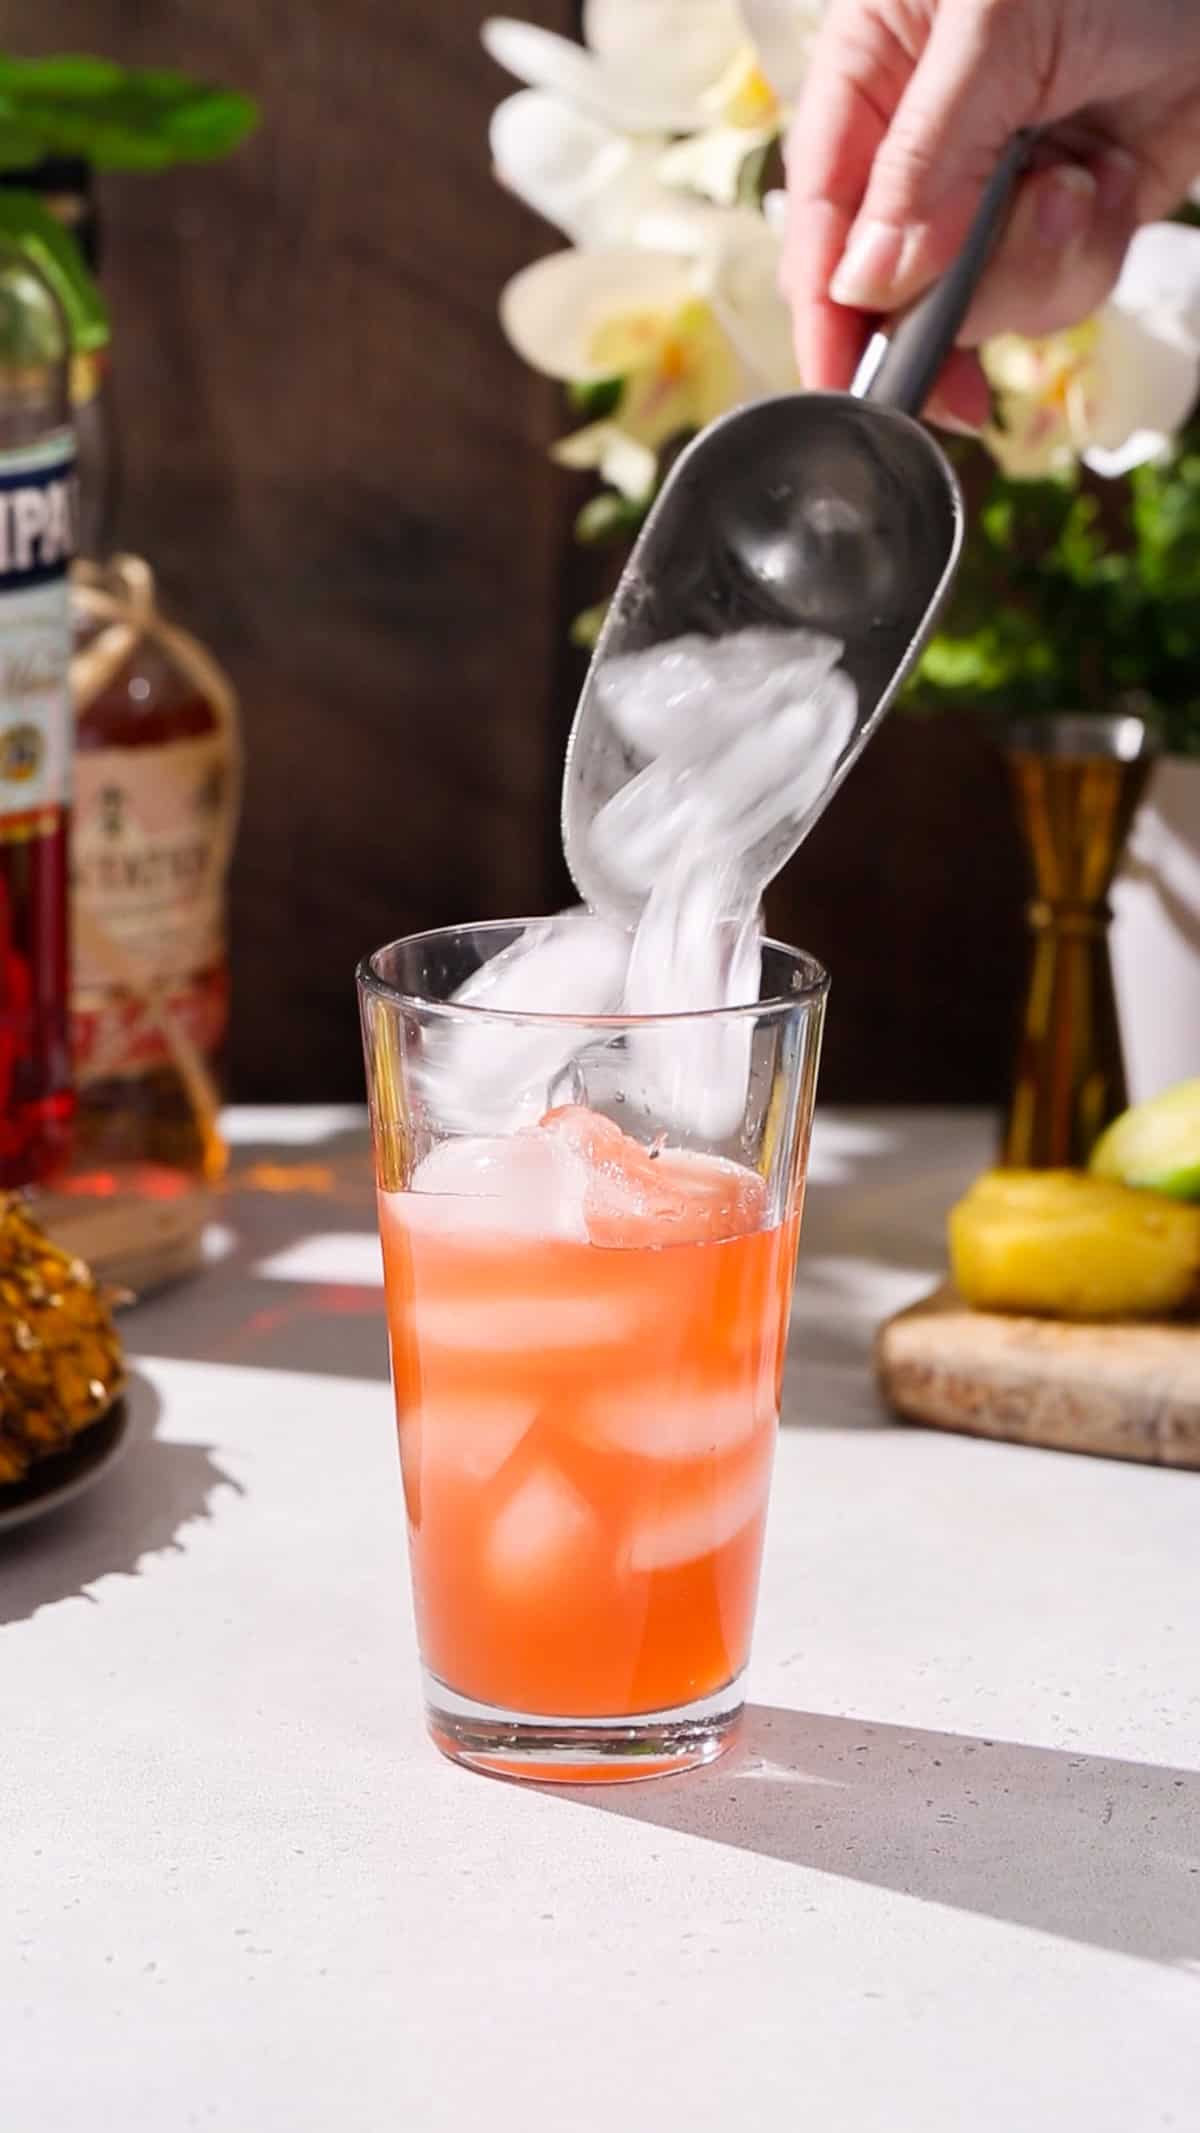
902,362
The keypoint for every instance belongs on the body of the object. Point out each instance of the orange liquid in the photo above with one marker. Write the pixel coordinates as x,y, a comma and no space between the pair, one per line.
586,1433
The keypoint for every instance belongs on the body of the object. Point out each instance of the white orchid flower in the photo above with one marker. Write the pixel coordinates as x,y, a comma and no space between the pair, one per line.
716,71
689,330
1114,391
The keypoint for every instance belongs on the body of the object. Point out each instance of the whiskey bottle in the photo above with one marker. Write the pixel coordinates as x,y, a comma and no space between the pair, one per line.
157,771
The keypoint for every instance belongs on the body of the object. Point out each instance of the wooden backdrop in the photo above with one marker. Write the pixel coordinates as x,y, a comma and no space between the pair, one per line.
338,469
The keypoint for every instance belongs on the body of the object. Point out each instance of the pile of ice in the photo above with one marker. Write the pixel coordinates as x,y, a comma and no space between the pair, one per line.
739,737
731,741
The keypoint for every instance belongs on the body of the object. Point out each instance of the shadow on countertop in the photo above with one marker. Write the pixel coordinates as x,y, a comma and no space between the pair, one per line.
294,1277
1100,1852
138,1509
873,1242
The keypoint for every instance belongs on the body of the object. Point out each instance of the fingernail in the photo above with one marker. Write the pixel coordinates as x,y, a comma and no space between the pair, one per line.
867,271
1065,203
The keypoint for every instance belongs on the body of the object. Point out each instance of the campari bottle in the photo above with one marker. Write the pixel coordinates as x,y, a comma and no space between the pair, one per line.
37,517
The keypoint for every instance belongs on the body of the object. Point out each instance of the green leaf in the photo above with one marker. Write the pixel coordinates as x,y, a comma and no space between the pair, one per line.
610,517
117,118
53,250
594,398
752,177
65,75
587,626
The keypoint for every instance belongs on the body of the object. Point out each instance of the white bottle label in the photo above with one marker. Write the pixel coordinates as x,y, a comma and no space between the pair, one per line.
37,519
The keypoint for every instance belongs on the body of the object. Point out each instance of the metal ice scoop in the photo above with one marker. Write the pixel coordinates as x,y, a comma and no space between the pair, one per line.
830,512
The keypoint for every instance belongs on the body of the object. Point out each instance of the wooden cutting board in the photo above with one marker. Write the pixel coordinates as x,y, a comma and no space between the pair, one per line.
1125,1392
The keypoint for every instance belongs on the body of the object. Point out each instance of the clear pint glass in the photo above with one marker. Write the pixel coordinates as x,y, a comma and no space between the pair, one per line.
588,1315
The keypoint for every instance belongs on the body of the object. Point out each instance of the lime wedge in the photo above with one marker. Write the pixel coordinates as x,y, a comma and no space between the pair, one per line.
1155,1144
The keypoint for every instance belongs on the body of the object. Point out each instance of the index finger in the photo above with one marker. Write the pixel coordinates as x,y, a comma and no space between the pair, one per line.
858,74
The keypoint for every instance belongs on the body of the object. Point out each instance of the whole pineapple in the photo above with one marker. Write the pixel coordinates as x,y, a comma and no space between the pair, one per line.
60,1359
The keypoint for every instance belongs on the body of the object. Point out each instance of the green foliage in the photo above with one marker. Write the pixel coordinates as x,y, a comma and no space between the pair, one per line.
117,118
1077,595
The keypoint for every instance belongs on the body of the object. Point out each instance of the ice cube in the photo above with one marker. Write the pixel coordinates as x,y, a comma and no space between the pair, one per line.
777,768
693,1080
523,1184
478,1074
671,699
638,832
568,965
694,949
749,734
638,1196
708,1517
534,1325
672,1423
697,944
686,696
677,1198
537,1539
474,1439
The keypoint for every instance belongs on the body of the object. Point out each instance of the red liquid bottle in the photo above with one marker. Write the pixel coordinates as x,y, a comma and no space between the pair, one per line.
37,515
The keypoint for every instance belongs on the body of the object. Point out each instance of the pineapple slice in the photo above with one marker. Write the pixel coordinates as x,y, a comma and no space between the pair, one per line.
1155,1144
1059,1243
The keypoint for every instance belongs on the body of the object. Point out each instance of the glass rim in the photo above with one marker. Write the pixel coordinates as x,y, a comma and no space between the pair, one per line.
814,988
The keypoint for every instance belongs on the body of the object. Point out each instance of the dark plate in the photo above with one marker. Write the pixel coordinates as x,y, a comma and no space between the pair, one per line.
67,1473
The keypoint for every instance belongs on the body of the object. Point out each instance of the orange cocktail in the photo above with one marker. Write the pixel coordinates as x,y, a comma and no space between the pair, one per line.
587,1421
589,1227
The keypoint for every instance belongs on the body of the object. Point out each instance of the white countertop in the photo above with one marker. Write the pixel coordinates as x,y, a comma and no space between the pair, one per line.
951,1882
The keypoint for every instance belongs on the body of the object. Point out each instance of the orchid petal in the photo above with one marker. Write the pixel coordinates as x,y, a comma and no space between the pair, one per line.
690,228
1147,379
623,462
745,297
541,58
592,183
1030,450
1137,451
626,97
1161,276
676,48
783,33
695,379
561,313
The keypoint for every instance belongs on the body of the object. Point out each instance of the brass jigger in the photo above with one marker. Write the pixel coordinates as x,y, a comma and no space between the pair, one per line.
1077,781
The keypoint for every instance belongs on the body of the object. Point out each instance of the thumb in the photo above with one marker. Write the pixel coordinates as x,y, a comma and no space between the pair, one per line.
974,87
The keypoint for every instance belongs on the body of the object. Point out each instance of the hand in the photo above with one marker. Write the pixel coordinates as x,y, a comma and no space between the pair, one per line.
905,110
